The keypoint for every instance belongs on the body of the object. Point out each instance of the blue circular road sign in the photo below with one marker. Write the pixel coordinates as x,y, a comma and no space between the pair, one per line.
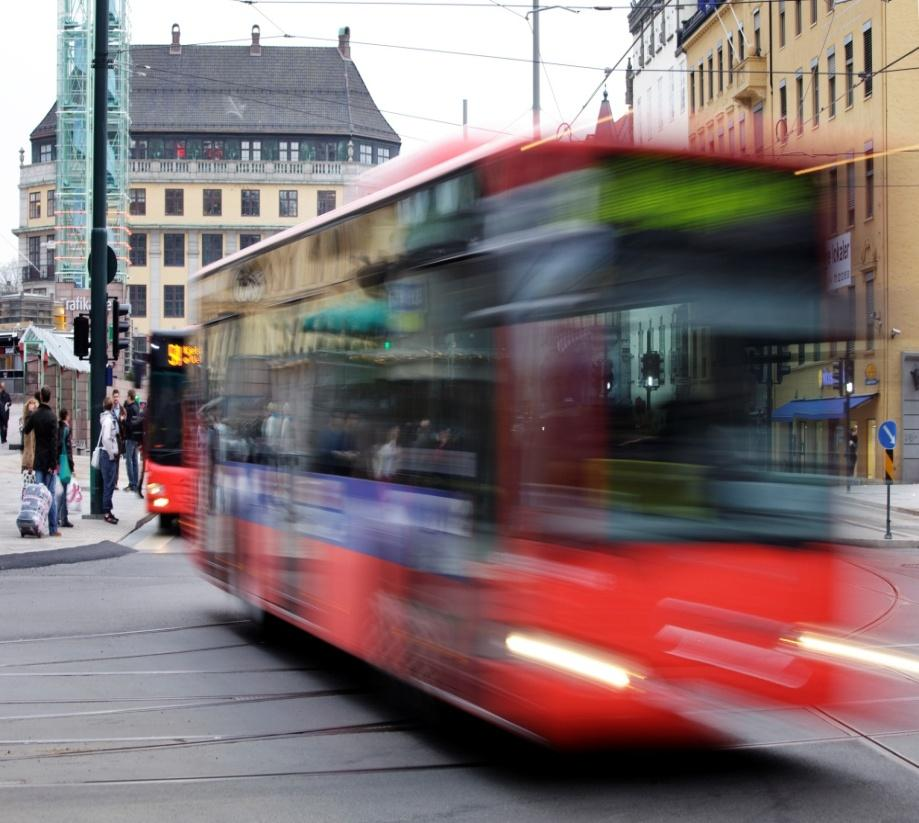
887,434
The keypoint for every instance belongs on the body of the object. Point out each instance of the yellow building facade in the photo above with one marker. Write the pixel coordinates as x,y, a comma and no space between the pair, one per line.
833,88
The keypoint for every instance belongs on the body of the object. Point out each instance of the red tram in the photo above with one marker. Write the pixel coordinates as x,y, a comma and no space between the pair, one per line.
496,430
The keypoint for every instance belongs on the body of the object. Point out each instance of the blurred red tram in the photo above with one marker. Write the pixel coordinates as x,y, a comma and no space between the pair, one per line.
496,430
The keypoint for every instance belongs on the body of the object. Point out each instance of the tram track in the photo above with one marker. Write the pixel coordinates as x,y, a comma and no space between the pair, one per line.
126,633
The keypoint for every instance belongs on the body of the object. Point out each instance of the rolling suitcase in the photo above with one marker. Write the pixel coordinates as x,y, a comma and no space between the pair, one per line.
33,511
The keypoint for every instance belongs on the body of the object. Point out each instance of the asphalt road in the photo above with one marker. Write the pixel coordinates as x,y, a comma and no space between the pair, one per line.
130,689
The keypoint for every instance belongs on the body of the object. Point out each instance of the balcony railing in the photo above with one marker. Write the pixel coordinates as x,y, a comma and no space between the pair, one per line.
307,170
750,80
33,273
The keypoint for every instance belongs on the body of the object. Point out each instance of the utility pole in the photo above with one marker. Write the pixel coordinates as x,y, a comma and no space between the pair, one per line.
98,357
535,12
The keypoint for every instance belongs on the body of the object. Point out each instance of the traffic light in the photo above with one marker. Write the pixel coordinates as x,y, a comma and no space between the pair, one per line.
81,336
121,328
651,370
838,381
849,376
783,366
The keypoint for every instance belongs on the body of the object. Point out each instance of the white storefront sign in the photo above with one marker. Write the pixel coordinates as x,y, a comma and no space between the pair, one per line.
839,261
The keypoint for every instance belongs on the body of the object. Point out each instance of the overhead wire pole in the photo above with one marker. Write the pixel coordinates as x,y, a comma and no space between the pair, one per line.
98,276
536,129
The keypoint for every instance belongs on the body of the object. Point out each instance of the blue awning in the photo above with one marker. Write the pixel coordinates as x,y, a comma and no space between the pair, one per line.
828,408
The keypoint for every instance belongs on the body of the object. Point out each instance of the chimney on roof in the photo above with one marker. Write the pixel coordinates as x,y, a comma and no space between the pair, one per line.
176,46
255,49
344,42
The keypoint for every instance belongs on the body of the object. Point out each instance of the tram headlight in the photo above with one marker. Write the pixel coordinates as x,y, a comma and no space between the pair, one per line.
155,489
843,649
587,663
160,502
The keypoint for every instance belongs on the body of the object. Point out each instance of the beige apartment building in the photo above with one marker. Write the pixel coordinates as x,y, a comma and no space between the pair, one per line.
228,145
833,87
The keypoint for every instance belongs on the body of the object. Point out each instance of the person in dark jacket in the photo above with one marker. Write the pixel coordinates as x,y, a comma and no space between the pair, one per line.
132,419
66,465
5,403
43,421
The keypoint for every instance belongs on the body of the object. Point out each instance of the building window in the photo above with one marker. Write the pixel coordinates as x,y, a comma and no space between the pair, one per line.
51,195
834,201
382,155
138,249
799,91
211,248
175,202
325,201
692,92
757,34
366,154
138,150
246,240
287,203
720,70
798,15
174,249
701,85
173,301
870,315
869,185
711,78
730,58
866,42
781,23
815,93
213,202
741,43
742,133
289,150
35,251
137,201
49,255
251,203
758,129
831,81
813,12
46,153
251,150
850,72
34,204
731,146
783,112
137,295
850,194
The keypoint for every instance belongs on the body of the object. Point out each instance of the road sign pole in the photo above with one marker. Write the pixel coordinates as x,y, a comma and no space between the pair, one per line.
888,480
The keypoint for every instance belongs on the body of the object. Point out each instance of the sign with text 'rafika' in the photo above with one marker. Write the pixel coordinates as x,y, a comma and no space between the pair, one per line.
839,261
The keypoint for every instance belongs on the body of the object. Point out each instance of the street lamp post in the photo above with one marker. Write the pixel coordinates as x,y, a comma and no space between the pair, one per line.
535,13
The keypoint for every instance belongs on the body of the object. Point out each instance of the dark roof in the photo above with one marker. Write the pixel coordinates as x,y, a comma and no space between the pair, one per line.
284,90
48,125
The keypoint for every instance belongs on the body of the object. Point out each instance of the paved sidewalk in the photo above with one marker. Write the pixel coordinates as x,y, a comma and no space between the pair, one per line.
127,506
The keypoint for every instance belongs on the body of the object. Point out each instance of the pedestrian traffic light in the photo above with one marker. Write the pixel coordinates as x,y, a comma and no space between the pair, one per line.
121,328
81,336
651,369
783,366
849,376
838,375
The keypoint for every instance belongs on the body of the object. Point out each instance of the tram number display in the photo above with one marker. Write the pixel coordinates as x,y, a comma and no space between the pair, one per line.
181,355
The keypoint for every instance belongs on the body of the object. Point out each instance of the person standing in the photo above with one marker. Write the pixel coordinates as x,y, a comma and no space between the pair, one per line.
5,403
118,412
852,451
28,440
66,465
132,418
108,440
43,421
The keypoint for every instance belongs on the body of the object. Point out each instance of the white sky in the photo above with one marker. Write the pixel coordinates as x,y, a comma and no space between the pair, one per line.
409,82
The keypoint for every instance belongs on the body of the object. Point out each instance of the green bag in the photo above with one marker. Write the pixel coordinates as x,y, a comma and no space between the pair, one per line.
64,470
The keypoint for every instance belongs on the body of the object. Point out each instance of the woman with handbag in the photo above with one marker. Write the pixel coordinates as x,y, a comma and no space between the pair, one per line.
28,443
66,467
105,456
